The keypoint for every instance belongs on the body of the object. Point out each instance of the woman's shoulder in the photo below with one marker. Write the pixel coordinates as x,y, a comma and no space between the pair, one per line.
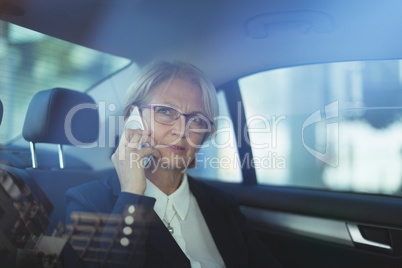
94,192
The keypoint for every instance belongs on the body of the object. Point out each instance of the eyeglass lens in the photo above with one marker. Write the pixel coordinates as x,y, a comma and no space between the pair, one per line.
167,115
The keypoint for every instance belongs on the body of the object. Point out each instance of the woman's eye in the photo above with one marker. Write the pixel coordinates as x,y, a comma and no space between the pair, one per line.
197,120
164,111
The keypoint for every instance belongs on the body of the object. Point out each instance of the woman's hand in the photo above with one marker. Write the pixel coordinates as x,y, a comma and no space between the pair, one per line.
128,160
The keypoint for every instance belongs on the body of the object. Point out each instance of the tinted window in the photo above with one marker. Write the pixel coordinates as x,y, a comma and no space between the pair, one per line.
31,62
330,126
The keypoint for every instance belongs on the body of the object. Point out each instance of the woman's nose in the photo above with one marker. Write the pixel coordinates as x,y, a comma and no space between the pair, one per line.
179,127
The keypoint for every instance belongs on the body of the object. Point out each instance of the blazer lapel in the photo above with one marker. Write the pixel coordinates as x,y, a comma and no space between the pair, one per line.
218,226
162,241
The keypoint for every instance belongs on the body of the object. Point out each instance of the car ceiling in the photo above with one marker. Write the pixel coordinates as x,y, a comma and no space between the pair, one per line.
226,39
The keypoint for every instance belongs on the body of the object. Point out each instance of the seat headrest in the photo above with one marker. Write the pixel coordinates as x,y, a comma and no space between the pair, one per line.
61,116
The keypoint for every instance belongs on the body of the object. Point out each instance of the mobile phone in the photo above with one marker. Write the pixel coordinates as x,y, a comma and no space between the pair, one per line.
134,121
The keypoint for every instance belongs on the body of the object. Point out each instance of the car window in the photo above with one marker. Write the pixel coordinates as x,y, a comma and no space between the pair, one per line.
330,126
31,62
218,158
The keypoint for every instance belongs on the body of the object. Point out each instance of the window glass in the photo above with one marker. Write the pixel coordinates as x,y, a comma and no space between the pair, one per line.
31,62
330,126
218,159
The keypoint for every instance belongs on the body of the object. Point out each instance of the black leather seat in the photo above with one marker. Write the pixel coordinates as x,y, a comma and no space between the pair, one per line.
63,117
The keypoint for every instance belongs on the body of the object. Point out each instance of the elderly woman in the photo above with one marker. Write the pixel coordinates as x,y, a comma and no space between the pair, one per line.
177,221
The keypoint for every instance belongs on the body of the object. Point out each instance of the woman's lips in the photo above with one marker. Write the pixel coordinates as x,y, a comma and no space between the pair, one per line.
176,149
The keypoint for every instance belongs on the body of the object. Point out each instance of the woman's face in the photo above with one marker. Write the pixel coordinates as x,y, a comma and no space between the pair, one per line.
176,145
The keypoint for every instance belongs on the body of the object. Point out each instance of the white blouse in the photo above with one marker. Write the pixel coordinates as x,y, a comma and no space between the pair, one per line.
181,212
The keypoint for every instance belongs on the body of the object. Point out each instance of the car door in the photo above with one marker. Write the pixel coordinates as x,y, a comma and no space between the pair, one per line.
316,161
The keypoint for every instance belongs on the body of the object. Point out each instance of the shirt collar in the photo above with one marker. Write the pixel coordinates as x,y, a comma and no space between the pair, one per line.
180,198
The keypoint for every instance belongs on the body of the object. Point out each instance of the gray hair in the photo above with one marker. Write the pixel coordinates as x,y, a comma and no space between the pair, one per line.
140,91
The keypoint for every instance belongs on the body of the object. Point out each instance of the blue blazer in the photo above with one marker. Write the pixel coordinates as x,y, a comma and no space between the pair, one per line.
237,243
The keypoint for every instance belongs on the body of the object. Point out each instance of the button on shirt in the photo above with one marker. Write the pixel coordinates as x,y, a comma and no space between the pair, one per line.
181,211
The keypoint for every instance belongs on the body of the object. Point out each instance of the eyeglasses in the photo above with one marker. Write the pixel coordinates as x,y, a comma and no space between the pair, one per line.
167,115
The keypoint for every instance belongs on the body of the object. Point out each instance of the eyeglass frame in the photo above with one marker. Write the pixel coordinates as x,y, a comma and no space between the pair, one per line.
152,107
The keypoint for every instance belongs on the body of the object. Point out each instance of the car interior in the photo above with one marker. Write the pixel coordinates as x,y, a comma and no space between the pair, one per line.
309,127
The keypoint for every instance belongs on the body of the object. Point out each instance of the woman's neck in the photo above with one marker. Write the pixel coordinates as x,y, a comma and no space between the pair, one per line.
167,180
